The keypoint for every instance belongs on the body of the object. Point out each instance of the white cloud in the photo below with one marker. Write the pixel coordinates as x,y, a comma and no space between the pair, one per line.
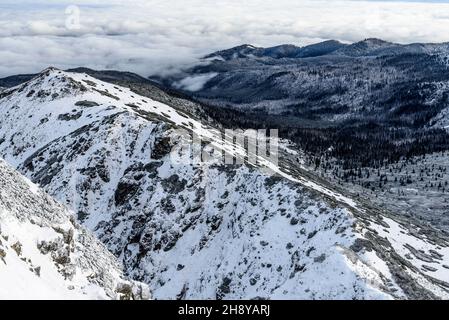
194,83
153,36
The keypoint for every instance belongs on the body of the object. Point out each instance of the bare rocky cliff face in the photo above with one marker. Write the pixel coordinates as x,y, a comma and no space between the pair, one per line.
206,230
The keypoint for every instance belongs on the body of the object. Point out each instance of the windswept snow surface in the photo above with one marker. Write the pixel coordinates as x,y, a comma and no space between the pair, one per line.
198,230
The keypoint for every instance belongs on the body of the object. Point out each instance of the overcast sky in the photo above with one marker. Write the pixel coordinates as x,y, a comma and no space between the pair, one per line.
155,36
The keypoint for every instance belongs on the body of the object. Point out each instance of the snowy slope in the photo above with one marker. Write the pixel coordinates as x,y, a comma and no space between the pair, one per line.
44,254
204,230
277,52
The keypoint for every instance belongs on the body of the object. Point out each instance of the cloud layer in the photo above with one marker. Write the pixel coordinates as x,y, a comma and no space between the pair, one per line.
156,36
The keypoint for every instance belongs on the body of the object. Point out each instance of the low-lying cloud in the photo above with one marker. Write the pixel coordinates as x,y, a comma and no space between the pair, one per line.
195,83
158,36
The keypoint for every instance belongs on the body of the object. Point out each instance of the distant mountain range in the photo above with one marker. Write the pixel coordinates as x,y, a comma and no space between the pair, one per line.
280,78
367,47
349,107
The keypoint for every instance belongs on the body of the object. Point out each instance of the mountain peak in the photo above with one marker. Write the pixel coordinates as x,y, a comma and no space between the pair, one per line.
320,49
50,69
246,46
278,52
48,72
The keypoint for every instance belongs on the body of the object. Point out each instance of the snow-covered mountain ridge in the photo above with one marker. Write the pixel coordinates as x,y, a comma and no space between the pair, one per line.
45,254
205,230
365,48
